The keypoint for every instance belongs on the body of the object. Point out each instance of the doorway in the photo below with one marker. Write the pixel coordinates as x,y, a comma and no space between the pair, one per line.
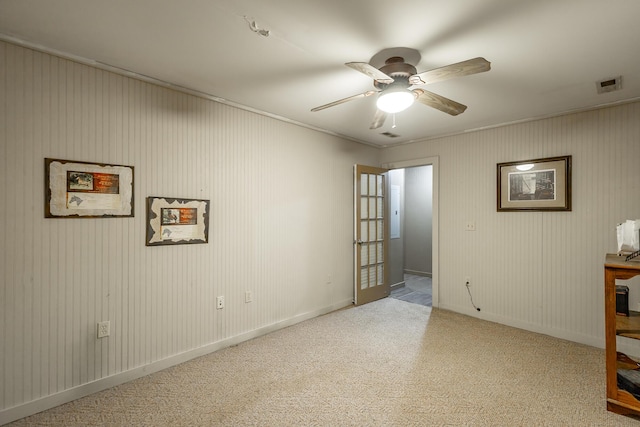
413,245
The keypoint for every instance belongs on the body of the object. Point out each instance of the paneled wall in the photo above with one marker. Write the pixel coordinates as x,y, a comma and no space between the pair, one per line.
541,271
280,226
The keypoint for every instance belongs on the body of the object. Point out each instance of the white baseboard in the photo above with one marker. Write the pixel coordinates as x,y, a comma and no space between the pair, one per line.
553,332
418,273
51,401
397,285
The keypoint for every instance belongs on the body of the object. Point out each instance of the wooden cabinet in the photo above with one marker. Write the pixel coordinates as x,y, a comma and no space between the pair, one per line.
622,395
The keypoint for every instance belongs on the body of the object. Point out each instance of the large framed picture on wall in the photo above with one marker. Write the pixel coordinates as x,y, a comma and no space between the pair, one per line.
75,189
535,185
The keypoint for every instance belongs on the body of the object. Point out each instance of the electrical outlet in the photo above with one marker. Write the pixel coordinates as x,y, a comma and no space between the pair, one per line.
470,226
220,302
467,281
104,329
248,296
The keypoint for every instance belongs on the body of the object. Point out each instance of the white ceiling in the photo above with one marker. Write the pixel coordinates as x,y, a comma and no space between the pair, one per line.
546,55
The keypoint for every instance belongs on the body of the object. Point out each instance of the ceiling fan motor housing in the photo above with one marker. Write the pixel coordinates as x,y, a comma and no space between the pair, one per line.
400,71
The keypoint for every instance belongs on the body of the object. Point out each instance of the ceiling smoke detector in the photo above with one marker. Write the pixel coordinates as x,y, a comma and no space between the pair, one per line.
609,85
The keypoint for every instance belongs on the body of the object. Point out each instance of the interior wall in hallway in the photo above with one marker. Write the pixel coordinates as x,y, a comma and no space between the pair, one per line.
396,242
418,220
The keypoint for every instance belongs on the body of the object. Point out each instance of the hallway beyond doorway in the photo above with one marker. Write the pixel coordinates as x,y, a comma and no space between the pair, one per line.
416,289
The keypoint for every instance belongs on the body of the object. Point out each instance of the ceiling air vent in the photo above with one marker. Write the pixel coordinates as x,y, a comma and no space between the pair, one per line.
389,134
609,85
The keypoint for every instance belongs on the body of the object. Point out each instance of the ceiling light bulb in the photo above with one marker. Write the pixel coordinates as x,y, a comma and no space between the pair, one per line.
394,101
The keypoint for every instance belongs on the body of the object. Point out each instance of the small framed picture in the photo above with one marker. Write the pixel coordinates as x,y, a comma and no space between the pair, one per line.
172,221
535,185
87,190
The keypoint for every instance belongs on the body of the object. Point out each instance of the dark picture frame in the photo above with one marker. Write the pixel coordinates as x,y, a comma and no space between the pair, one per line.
76,189
535,185
173,221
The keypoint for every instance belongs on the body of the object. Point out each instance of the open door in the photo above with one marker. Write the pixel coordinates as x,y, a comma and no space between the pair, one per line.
371,234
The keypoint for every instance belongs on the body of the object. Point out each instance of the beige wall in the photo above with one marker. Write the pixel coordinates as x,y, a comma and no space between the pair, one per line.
280,226
541,271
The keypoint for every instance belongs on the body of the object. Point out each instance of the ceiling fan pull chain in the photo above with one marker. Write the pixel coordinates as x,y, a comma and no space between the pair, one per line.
394,122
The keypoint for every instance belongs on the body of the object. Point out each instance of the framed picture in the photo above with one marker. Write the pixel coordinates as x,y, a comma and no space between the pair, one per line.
177,221
87,190
535,185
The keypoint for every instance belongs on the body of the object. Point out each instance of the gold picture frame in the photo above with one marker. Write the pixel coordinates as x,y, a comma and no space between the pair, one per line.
535,185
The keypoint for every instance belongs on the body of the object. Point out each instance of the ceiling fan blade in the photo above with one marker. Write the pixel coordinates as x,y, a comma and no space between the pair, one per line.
460,69
378,119
439,102
343,100
370,71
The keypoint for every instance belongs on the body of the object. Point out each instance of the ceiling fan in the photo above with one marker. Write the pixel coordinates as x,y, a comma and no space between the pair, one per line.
397,79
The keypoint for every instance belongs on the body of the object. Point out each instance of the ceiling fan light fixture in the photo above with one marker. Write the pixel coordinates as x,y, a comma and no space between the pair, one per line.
395,101
525,167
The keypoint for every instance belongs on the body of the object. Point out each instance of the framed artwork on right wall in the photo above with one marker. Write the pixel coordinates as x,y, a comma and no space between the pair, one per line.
535,185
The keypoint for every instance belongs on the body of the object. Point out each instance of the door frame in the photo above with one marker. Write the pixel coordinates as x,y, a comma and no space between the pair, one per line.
434,162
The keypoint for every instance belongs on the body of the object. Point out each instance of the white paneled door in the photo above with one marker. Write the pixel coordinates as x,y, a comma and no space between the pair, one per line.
371,234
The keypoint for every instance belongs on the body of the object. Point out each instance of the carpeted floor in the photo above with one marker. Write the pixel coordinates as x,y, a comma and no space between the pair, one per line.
388,363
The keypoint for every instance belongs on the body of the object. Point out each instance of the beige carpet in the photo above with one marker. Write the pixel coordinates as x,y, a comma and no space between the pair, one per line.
389,363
